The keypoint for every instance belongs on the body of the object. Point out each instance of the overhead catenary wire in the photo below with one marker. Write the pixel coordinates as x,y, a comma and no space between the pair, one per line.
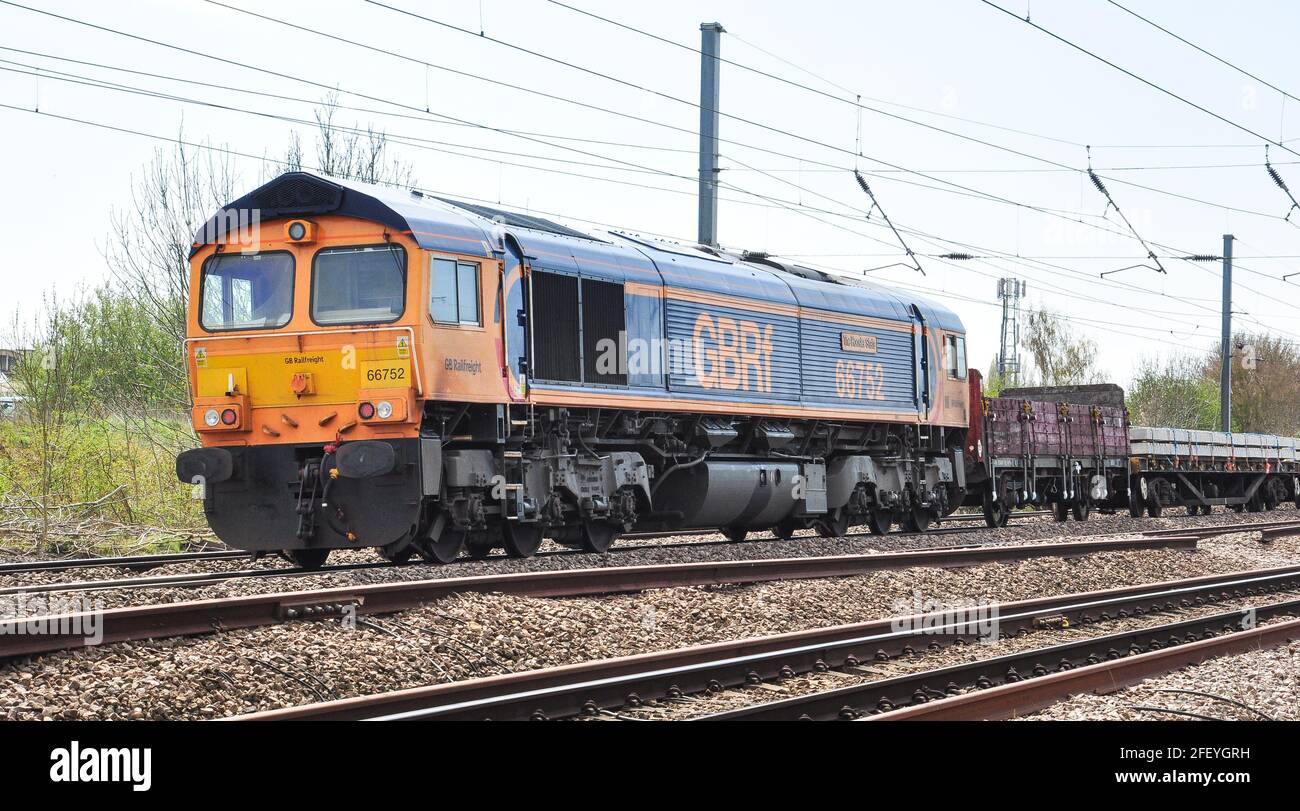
614,227
974,191
1147,82
1014,203
1213,56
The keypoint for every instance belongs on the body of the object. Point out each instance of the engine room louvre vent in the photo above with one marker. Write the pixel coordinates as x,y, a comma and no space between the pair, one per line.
603,322
555,327
295,194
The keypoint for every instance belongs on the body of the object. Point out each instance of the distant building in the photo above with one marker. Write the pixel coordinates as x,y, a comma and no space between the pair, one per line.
9,360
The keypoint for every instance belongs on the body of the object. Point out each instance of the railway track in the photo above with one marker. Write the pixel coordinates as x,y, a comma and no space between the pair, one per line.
197,579
200,616
146,562
591,687
1015,699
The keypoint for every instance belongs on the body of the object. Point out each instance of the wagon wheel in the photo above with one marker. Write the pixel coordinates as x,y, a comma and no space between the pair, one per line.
521,540
1256,504
1206,509
1060,512
1268,497
995,511
833,525
598,536
1135,506
1193,509
879,521
309,559
1081,510
735,534
1154,507
786,529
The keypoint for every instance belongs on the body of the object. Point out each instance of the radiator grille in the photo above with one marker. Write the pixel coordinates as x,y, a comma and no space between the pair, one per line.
555,327
603,321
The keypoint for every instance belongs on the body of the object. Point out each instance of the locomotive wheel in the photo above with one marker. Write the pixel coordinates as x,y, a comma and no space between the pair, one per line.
521,540
1081,510
736,534
400,556
309,559
443,549
835,525
879,521
918,520
478,545
1239,508
598,536
1060,512
1256,504
1154,507
785,529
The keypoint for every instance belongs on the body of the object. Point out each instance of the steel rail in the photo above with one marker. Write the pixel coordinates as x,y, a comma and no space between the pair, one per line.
590,686
883,696
199,616
126,562
946,556
1024,697
145,562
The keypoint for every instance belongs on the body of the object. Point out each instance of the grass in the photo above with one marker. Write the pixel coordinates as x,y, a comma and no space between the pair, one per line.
95,485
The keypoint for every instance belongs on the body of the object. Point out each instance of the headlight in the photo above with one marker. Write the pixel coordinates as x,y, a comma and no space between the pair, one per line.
384,409
297,230
211,417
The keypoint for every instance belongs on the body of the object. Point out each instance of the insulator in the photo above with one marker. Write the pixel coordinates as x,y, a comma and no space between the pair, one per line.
956,256
1096,181
1281,184
862,181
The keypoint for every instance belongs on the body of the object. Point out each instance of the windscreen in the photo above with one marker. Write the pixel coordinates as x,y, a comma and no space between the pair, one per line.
247,291
365,285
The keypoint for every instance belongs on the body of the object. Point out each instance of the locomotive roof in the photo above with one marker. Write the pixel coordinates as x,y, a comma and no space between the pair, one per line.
445,224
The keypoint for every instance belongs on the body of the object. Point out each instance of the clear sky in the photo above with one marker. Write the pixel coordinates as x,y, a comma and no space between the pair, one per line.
955,64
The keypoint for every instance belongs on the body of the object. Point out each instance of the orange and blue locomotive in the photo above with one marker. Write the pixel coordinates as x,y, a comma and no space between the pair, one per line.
380,367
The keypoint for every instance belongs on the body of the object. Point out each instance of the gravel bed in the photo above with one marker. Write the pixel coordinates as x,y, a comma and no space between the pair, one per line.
1266,680
680,549
482,634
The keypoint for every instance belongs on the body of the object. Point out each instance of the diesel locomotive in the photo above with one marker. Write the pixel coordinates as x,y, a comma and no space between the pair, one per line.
375,367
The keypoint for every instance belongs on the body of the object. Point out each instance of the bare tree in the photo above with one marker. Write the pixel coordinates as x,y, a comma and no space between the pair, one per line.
1061,356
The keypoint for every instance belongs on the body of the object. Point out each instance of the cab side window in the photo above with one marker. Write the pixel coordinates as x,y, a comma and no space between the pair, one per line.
454,291
954,351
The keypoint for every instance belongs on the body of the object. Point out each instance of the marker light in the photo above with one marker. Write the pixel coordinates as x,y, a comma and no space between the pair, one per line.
384,409
366,410
211,418
229,416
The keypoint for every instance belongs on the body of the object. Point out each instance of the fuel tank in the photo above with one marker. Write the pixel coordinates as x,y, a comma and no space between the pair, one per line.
730,494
